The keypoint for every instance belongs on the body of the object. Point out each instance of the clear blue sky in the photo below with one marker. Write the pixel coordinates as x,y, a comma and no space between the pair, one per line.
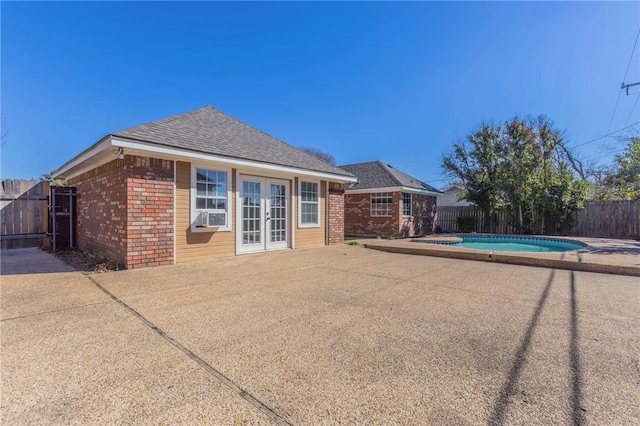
397,82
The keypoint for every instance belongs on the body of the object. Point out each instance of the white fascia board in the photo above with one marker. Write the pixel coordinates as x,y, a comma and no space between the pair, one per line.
420,191
103,144
235,162
392,189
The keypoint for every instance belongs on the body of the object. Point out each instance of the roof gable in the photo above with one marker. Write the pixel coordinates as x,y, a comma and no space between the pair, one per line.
375,174
210,131
457,187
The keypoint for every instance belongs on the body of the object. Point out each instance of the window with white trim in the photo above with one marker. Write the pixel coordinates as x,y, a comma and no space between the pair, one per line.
381,203
309,195
211,199
406,204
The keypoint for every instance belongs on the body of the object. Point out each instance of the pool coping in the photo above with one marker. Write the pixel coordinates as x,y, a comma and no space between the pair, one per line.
454,239
606,256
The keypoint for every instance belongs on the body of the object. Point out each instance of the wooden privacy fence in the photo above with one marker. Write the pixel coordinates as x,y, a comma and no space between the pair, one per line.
448,216
609,219
24,213
606,219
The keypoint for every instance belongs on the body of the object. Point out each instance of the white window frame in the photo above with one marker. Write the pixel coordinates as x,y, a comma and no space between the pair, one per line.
404,203
300,202
194,212
380,195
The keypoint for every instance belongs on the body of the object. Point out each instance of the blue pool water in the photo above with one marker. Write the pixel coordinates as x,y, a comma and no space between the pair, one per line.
520,244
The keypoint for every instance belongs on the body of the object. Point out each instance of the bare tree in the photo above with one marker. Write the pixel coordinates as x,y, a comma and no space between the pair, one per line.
327,158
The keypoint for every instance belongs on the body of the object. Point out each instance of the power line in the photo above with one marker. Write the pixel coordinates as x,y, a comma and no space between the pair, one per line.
632,109
602,154
606,151
607,135
632,52
614,111
598,159
623,80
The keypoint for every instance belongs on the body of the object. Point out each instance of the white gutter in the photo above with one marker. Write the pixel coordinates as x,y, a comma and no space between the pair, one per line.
408,189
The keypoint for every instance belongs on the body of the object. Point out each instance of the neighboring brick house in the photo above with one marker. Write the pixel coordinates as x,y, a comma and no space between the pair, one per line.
387,202
201,185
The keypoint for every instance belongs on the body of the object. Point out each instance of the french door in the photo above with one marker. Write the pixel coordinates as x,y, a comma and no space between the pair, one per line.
264,214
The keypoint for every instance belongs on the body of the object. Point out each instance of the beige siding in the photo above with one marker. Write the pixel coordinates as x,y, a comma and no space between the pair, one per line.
311,237
202,245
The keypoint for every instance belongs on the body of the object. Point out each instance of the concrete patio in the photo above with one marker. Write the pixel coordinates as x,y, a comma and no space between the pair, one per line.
336,335
602,255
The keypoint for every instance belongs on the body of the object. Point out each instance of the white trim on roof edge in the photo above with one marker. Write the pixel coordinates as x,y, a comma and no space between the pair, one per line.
102,145
392,189
187,155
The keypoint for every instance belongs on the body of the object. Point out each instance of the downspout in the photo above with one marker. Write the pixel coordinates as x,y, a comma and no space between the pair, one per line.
294,208
327,217
71,227
53,220
175,226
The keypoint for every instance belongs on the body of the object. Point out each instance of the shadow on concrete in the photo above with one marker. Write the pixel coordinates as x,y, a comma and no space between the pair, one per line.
577,414
501,404
504,399
629,247
30,261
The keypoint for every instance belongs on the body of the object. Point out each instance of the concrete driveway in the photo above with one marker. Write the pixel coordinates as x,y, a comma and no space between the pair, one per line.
335,335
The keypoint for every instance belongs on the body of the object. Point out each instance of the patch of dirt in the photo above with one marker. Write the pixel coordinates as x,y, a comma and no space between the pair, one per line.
85,262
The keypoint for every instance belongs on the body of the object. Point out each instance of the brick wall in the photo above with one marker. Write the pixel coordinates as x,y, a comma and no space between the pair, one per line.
125,211
422,219
358,219
102,211
336,213
149,212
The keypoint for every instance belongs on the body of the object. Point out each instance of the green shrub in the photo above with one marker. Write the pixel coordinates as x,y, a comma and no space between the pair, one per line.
465,223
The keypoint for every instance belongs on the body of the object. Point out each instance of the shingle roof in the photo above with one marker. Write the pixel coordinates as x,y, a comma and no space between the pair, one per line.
375,174
210,131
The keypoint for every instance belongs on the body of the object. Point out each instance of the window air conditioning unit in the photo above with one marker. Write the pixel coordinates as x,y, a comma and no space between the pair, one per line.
211,220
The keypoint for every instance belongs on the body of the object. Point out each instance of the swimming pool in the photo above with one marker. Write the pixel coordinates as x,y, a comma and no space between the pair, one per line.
519,244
